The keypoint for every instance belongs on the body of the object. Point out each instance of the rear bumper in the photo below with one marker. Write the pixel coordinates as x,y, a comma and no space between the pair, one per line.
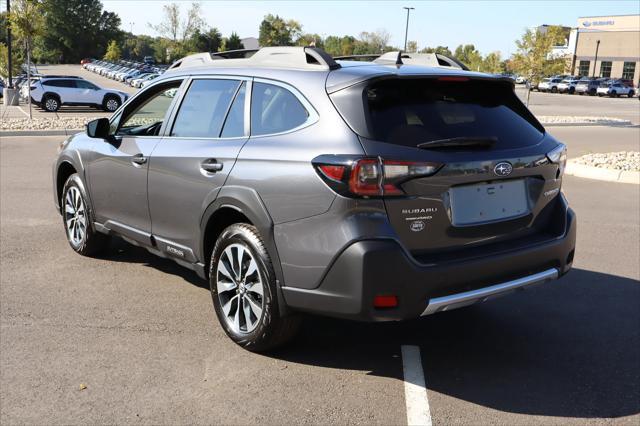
370,268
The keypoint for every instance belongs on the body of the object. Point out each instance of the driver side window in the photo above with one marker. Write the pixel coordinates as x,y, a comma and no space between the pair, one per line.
148,112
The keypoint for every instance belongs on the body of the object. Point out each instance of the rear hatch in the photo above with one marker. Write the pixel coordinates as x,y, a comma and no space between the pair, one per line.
482,171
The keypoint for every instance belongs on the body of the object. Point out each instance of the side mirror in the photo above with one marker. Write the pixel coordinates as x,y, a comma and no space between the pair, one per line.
98,128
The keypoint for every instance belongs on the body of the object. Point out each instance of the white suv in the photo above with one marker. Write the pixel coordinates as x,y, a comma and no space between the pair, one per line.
549,85
614,89
51,93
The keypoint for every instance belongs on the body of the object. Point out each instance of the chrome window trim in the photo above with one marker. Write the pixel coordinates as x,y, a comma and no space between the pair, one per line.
311,119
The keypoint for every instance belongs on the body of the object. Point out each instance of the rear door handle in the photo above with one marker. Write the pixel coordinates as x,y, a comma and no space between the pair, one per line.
139,159
211,166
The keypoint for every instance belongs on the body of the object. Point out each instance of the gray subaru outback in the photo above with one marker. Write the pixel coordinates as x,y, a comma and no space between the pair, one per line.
294,182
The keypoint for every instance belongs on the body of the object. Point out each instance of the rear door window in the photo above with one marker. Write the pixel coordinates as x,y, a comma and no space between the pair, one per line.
204,107
275,109
413,111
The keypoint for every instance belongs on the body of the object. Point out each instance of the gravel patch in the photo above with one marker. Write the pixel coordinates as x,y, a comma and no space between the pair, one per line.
577,119
53,123
623,161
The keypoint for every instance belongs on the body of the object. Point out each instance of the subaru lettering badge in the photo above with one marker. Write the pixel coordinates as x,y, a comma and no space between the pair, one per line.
503,169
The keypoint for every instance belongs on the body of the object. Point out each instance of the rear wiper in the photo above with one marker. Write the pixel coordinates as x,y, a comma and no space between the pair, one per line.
463,141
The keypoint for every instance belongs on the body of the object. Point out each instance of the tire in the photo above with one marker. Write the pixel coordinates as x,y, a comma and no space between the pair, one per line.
613,94
77,219
554,90
580,93
51,103
258,326
630,94
111,103
572,91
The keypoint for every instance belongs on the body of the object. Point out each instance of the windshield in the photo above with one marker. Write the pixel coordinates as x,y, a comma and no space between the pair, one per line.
414,111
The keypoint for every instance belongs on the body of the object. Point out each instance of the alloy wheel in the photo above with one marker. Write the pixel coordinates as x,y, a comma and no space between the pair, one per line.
75,216
112,105
240,289
51,104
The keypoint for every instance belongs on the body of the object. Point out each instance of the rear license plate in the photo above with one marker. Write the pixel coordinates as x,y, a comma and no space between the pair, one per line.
476,204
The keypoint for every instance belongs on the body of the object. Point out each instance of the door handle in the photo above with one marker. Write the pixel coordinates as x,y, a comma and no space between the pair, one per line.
139,159
211,166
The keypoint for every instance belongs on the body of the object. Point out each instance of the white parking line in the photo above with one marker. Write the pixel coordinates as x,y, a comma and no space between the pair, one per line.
23,111
415,391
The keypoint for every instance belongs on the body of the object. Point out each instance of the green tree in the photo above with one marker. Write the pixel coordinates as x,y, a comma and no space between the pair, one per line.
412,46
275,31
469,56
310,40
492,63
78,28
373,42
113,51
339,46
533,58
16,60
209,41
442,50
233,42
27,24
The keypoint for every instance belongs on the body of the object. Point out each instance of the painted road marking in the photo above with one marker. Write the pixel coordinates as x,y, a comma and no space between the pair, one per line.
415,391
23,111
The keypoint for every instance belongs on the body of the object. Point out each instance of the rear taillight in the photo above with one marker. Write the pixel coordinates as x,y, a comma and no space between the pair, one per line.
558,155
369,176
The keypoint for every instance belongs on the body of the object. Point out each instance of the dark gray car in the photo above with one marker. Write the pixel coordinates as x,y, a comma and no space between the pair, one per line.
371,191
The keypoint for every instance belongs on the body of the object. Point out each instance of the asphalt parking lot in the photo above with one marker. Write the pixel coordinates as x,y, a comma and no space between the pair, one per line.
140,334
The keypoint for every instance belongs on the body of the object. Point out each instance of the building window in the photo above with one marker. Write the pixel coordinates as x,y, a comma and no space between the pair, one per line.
583,68
605,69
629,70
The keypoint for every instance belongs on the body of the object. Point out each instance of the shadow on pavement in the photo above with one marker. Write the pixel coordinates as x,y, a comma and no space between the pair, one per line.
566,349
569,350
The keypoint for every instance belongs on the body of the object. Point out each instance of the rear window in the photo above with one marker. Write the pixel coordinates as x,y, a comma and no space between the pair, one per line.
413,111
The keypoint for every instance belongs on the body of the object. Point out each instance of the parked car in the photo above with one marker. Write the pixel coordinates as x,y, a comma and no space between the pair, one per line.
364,195
86,61
568,85
549,84
149,60
615,89
53,92
520,79
138,82
588,85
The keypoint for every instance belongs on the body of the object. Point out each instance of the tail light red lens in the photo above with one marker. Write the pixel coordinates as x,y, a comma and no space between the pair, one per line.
370,177
385,301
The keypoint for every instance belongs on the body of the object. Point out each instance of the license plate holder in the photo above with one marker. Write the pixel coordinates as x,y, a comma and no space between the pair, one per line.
488,202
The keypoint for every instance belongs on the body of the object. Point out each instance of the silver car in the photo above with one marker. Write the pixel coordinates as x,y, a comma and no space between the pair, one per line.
295,183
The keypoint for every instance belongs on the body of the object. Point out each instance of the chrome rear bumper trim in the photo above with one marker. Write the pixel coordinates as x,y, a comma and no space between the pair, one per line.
447,303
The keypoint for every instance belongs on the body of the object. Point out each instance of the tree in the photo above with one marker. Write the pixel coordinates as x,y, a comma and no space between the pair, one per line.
209,41
275,31
412,46
373,42
175,28
27,23
339,46
310,40
16,60
113,51
469,56
233,42
533,59
492,63
442,50
77,29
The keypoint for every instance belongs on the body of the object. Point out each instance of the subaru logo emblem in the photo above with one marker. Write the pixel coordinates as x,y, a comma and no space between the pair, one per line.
503,169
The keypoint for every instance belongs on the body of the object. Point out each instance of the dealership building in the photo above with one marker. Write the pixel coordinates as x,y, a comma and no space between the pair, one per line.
606,46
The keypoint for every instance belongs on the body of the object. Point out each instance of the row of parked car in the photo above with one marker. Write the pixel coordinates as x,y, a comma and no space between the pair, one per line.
132,73
612,87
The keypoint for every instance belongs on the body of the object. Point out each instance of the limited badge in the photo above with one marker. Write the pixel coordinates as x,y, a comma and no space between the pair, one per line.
417,225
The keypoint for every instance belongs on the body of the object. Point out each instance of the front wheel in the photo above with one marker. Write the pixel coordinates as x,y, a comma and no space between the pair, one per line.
243,288
111,103
78,220
554,90
51,103
630,94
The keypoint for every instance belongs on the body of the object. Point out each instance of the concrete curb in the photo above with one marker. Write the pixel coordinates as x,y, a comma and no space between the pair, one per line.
39,132
598,173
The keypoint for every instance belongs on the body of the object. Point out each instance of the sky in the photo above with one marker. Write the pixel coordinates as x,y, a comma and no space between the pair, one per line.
489,25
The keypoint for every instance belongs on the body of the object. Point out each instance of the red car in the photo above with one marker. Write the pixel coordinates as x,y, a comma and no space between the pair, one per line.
86,61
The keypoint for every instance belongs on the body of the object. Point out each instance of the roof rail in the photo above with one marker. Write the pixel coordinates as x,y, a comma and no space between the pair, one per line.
428,59
307,58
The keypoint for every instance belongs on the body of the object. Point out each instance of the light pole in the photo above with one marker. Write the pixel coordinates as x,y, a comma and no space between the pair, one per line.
596,59
131,27
10,82
406,31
